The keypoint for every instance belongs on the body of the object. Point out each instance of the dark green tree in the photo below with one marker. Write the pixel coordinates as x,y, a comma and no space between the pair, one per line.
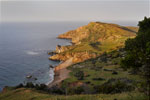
138,52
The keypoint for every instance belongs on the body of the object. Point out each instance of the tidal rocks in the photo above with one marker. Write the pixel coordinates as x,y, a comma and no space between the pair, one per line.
51,66
51,53
29,76
35,78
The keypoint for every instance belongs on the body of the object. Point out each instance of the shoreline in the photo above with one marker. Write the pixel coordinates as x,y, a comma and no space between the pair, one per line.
61,72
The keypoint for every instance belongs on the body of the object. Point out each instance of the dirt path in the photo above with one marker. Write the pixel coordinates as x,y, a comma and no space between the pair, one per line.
61,72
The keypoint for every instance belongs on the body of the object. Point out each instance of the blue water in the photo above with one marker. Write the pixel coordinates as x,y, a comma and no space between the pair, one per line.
23,50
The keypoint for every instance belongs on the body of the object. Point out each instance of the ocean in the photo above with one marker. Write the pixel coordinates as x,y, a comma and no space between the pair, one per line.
24,47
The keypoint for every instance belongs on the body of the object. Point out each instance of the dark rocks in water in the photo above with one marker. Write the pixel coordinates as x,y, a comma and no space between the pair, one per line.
51,53
114,73
59,46
29,76
35,78
51,66
56,60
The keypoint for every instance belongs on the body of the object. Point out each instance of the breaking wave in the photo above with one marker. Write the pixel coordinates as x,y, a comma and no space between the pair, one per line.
32,53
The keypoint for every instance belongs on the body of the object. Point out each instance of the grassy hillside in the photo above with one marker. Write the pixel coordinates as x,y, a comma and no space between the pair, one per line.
101,75
106,66
31,94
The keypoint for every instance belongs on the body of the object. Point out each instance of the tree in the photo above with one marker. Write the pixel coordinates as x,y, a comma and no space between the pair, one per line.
138,51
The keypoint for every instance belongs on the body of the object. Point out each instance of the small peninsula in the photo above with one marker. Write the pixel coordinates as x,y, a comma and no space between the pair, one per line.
92,40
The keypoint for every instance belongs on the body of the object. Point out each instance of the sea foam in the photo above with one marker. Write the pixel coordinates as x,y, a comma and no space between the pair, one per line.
32,53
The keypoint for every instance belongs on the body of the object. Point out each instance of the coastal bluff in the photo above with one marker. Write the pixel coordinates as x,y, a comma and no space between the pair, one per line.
89,41
92,40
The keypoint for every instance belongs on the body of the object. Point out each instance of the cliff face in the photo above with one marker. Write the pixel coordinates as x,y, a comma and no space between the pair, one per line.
77,56
92,40
60,48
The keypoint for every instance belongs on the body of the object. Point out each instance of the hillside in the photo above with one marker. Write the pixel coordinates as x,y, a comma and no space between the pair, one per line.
102,79
32,94
92,40
99,75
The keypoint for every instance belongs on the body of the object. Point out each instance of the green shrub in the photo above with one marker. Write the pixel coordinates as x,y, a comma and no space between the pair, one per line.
29,85
116,61
113,86
79,75
19,86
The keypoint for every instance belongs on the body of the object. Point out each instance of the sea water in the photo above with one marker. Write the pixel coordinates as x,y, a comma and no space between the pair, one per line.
24,47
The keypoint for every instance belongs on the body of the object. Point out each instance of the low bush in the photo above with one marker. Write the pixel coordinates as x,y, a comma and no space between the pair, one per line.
79,75
113,86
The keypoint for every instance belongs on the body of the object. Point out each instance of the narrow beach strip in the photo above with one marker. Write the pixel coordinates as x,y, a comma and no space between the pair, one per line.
61,72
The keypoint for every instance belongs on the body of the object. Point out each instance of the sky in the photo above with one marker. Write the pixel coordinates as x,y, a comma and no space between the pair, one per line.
73,10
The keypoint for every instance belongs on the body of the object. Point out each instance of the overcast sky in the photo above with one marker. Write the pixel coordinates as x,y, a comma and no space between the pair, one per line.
74,10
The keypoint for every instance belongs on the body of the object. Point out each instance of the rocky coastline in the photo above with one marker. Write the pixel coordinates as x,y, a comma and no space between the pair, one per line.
89,41
60,71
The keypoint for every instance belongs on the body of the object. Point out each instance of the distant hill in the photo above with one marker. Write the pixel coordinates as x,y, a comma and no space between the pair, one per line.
92,40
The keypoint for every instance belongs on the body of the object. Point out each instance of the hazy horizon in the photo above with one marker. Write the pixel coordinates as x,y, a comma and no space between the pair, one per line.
70,10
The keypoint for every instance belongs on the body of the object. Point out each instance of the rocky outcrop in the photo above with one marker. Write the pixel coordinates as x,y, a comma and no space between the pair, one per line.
77,57
60,48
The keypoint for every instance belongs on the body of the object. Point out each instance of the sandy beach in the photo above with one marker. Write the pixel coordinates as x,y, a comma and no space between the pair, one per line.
61,72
